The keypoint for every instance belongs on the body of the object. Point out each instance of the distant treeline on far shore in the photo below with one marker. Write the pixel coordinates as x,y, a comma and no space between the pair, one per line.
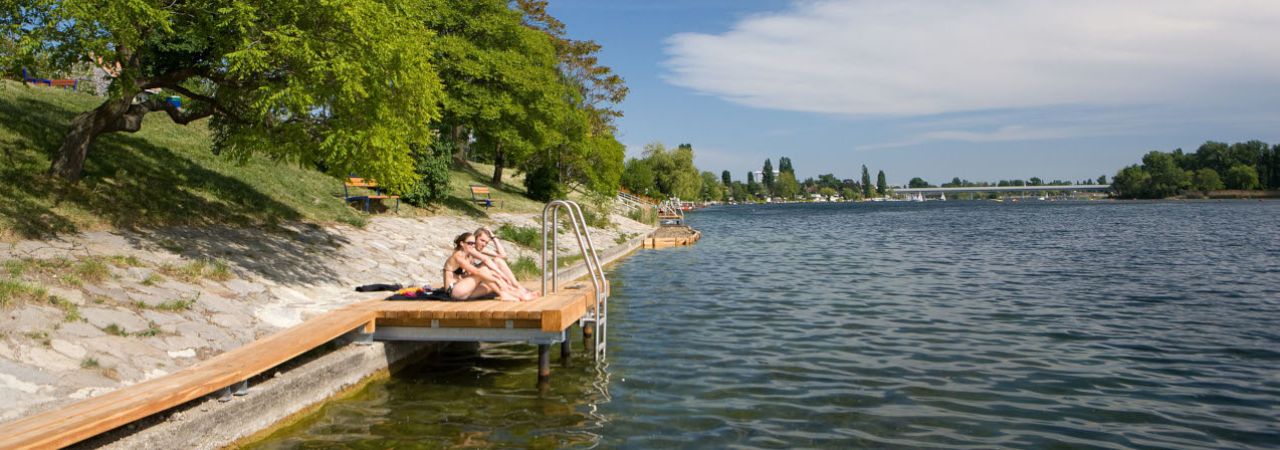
1215,165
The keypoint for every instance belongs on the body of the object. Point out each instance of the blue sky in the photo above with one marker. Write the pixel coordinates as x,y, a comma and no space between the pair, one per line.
982,90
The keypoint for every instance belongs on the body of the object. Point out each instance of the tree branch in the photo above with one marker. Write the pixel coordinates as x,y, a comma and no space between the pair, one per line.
131,120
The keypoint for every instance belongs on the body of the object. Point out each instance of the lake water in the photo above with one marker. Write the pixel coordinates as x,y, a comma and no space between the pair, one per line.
934,325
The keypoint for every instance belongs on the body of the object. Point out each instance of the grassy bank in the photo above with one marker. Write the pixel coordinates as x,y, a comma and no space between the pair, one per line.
166,175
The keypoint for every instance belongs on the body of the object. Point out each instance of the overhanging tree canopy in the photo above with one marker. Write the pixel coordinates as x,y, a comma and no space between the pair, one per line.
347,85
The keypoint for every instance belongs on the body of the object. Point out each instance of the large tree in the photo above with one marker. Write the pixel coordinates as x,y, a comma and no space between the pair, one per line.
345,85
866,182
784,165
787,186
766,177
596,91
881,186
504,93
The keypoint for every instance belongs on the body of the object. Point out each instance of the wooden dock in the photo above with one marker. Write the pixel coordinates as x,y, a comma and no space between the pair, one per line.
666,242
543,321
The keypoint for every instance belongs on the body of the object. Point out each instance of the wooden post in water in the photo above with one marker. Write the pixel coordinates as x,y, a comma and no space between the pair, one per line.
565,350
544,363
588,330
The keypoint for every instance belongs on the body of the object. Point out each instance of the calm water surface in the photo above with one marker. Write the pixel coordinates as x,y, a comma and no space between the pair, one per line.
937,325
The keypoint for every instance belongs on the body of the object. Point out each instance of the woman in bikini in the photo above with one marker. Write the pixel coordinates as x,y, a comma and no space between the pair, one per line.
466,277
495,258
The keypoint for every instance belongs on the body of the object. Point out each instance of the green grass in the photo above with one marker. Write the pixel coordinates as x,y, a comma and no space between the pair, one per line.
152,280
152,330
528,237
92,270
70,312
166,175
89,363
177,305
115,330
13,291
163,175
525,268
40,336
196,270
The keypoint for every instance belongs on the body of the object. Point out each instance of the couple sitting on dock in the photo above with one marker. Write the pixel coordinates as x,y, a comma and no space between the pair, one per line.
474,270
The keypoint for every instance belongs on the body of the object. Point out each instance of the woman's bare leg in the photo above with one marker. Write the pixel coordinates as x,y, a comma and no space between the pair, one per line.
510,276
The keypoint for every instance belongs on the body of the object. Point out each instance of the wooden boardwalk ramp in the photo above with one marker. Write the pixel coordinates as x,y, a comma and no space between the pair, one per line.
542,321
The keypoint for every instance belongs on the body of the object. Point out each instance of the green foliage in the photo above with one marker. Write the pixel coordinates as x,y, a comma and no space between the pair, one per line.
89,363
1206,179
881,186
1241,176
115,330
643,215
431,168
596,209
787,187
866,182
70,312
176,305
12,291
196,270
348,84
525,268
528,237
638,177
712,189
92,270
543,183
827,192
665,173
766,175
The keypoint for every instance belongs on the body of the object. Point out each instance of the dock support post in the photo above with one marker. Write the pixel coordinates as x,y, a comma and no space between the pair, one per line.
565,351
588,330
544,363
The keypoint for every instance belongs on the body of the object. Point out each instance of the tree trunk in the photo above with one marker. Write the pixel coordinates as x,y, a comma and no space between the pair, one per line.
69,161
461,143
497,165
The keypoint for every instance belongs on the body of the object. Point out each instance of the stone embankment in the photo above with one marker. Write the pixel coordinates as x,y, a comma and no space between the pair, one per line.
101,310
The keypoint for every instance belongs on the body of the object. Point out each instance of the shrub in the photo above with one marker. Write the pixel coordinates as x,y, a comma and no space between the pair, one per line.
543,183
432,169
643,215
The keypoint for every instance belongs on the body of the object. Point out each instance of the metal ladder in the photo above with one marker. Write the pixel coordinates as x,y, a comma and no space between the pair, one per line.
599,315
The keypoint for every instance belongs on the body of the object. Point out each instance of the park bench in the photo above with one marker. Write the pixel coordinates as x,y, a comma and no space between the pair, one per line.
62,83
374,192
480,195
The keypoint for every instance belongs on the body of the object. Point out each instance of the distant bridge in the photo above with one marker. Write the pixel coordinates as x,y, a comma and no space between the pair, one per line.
1054,187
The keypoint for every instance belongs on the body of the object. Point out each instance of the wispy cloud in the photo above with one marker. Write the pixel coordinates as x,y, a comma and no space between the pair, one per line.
913,58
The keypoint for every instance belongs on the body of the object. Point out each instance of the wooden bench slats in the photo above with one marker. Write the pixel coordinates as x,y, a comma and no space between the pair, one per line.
377,194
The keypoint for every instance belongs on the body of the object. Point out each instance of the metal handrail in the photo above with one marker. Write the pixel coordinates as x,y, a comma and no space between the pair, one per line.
589,256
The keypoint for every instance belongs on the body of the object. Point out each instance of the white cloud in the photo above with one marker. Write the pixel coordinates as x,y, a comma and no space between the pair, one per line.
921,57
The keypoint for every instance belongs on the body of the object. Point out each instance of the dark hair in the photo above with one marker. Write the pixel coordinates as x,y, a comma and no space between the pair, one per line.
457,242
